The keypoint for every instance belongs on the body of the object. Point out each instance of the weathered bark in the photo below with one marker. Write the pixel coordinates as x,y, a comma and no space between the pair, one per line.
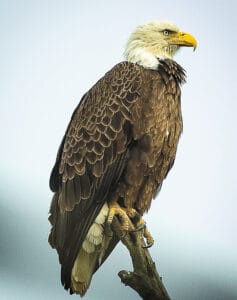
144,279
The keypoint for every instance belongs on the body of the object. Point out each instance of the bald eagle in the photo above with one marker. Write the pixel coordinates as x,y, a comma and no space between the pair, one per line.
118,148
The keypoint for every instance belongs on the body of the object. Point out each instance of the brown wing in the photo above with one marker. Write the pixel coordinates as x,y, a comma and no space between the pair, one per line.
91,159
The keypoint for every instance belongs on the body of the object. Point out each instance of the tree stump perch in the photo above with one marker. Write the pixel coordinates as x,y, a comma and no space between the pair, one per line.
144,279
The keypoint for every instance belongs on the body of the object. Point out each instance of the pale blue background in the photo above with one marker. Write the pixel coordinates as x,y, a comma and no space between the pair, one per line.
51,52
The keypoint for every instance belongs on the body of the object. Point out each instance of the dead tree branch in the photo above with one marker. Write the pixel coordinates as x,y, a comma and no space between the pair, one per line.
144,279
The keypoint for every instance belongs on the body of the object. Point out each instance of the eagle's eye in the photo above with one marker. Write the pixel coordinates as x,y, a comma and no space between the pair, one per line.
166,32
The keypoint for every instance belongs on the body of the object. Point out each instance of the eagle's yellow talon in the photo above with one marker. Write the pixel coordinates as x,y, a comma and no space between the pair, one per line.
126,224
131,212
123,213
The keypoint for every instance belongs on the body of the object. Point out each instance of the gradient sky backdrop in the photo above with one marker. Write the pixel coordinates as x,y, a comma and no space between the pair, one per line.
51,52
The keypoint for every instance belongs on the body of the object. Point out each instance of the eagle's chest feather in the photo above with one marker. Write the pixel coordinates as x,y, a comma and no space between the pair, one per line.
157,131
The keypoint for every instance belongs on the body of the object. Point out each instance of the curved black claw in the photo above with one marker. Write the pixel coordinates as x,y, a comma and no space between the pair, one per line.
148,245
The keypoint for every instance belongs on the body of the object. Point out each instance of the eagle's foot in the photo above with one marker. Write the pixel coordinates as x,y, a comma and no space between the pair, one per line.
131,221
141,225
149,239
124,214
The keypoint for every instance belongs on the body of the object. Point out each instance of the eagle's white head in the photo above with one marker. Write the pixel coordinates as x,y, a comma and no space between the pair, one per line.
155,40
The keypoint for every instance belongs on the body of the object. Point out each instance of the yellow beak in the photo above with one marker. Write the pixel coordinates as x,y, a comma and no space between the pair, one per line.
184,39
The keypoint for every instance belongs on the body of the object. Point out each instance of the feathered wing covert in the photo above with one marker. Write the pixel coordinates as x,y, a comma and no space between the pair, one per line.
123,133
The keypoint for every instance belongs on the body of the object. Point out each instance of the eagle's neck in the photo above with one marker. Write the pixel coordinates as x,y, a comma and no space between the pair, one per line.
145,58
142,57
